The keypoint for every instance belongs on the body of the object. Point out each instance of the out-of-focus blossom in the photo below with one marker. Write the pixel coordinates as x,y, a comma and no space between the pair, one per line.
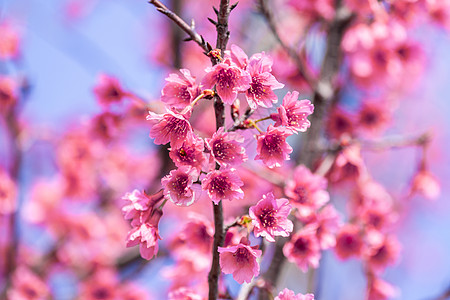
373,117
27,286
426,184
108,90
184,293
349,242
269,216
8,93
9,42
8,193
303,249
339,123
306,191
287,294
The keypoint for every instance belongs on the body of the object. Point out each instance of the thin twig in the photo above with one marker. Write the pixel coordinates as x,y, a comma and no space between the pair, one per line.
193,35
301,66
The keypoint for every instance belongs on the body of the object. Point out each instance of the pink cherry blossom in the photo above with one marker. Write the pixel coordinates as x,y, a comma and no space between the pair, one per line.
108,90
229,80
179,91
269,216
306,191
223,185
303,249
349,242
27,286
178,186
382,254
373,116
169,127
328,223
263,82
426,184
240,260
272,147
340,123
136,203
191,153
293,113
287,294
146,236
226,148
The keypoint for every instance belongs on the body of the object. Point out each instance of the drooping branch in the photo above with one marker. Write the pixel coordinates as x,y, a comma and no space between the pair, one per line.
293,54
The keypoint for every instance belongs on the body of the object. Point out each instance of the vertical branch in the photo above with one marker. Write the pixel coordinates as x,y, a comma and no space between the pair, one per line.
323,94
13,128
219,108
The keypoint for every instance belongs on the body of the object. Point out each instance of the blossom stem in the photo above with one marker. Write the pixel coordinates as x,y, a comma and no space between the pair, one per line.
262,119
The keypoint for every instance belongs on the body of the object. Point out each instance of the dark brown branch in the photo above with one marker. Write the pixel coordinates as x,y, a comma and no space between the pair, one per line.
193,35
301,66
219,108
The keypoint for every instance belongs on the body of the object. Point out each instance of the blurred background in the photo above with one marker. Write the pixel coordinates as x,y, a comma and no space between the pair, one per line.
64,45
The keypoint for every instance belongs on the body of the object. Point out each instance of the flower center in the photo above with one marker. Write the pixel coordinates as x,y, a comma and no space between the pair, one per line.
226,78
267,217
242,255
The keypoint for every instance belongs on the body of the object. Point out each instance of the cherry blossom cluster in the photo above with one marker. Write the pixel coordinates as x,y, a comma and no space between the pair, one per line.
209,165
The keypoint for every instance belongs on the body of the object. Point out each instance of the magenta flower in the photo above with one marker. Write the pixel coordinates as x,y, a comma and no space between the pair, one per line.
287,294
178,186
303,248
229,80
269,216
146,236
240,260
263,82
226,148
293,113
223,185
169,127
272,148
179,91
189,154
27,285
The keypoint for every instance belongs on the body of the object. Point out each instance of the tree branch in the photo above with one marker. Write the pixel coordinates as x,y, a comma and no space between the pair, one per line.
302,68
193,35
